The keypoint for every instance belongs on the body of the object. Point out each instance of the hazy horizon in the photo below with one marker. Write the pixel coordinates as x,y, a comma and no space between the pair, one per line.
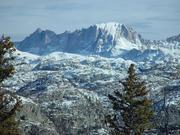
152,19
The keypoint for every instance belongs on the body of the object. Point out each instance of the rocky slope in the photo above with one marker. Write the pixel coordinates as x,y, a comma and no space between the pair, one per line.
71,90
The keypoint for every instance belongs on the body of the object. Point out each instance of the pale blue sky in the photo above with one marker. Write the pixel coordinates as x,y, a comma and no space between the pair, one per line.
154,19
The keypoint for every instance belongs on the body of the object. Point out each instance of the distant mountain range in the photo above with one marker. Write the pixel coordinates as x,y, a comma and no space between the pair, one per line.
106,39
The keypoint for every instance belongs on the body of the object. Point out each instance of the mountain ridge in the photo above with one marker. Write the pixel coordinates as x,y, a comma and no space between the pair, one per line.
92,39
110,39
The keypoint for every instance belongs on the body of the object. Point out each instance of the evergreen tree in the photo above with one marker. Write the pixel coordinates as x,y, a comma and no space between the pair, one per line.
177,72
8,124
131,106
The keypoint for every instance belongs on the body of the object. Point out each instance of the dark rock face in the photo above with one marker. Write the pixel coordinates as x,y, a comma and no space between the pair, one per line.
37,42
129,33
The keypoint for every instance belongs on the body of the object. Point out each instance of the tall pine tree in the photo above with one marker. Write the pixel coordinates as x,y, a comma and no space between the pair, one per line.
6,56
8,124
131,106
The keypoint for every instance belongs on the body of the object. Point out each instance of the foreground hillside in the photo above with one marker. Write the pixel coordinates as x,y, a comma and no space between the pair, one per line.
70,91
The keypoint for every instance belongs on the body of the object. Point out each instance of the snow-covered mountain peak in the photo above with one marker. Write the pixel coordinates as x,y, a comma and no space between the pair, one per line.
111,27
105,39
115,29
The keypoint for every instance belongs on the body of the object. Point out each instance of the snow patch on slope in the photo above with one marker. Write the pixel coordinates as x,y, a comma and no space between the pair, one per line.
111,27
